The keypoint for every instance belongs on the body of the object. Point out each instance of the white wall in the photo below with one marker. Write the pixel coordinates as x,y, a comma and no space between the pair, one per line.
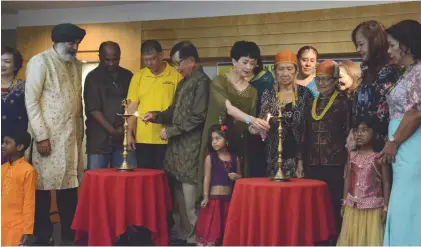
139,11
210,71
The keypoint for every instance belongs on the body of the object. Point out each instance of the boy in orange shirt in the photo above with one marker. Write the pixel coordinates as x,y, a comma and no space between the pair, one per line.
18,184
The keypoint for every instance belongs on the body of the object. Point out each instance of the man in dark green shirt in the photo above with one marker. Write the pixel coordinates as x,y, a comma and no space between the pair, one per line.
184,121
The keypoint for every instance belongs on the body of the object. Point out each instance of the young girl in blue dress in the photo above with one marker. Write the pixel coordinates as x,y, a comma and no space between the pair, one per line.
222,168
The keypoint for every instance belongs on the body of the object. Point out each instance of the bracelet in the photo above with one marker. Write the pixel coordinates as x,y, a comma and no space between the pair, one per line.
248,119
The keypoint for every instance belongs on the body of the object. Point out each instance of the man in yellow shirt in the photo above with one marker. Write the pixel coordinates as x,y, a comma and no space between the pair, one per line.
151,89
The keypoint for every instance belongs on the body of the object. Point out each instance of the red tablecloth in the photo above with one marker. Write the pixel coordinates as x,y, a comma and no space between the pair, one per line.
269,213
110,201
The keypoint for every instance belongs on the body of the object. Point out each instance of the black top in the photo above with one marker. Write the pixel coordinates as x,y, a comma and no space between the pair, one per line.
323,141
103,93
370,97
292,126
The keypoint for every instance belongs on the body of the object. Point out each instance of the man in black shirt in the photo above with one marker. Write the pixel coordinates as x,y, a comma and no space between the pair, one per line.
105,88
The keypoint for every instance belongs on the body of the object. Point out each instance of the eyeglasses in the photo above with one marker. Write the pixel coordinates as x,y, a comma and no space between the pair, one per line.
324,80
177,64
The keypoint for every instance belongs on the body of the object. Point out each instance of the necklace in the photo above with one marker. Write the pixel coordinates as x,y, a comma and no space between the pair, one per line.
226,163
9,87
5,92
329,104
404,74
294,100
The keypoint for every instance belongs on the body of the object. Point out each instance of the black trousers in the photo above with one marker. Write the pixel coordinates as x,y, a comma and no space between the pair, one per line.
333,175
66,204
257,154
150,155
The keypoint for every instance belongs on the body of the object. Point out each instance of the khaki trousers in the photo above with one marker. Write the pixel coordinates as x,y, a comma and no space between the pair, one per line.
184,211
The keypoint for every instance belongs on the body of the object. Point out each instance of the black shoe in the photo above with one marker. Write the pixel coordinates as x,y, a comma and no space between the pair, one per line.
178,242
67,243
43,243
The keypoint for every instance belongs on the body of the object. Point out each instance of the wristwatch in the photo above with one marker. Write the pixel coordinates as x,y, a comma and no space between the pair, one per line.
392,139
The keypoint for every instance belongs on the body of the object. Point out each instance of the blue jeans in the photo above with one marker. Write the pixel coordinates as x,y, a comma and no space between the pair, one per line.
98,161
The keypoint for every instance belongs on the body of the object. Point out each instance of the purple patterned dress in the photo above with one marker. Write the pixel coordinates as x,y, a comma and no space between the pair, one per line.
210,225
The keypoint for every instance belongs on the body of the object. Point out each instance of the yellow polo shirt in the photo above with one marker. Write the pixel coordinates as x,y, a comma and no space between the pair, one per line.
152,93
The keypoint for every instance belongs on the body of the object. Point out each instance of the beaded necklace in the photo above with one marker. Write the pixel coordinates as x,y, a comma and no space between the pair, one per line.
328,106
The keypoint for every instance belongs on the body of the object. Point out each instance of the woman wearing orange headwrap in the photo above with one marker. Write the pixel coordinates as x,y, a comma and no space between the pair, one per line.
294,99
326,127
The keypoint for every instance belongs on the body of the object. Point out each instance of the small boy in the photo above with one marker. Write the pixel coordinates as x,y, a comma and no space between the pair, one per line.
18,184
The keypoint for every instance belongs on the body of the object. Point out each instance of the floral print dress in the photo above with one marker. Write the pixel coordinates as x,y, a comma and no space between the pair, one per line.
370,97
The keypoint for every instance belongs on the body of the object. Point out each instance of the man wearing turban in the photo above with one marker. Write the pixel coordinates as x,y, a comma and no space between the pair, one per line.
53,97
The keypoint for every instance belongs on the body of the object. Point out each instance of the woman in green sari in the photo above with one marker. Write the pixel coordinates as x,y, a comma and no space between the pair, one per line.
233,86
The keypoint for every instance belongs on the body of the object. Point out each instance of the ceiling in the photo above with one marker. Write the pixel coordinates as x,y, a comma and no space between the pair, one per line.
12,7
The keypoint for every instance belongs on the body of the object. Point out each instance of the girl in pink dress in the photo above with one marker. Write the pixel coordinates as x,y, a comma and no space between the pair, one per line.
222,168
366,190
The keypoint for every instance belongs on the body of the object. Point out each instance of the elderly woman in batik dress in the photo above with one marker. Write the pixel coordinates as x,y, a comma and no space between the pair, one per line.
234,86
293,99
326,127
261,82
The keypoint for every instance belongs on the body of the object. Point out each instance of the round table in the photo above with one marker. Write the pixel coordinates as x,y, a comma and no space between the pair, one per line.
110,201
262,212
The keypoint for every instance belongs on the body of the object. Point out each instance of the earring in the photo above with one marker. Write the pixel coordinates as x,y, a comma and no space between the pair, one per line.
226,144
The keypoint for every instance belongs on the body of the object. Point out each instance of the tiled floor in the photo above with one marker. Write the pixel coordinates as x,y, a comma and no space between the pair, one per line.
56,235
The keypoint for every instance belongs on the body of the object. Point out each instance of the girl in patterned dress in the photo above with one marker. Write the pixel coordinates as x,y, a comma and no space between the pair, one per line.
222,168
366,191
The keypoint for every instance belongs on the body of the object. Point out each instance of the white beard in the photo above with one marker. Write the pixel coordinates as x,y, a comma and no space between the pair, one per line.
63,52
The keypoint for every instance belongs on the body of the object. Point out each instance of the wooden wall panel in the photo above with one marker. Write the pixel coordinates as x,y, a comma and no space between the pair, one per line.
127,35
32,40
372,11
329,30
89,56
269,29
271,39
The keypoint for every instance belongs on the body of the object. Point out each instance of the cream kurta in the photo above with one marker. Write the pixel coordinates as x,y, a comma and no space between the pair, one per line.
53,96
